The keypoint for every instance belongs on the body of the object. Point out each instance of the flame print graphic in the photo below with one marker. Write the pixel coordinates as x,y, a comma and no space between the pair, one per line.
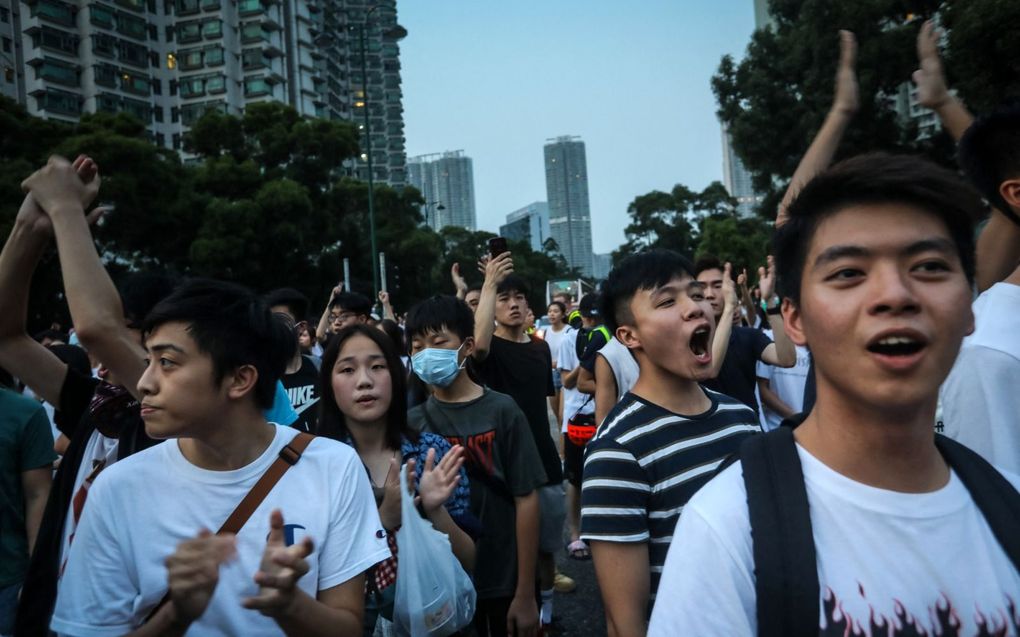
942,620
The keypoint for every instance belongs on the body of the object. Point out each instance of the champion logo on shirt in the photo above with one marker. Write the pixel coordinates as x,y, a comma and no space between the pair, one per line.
290,534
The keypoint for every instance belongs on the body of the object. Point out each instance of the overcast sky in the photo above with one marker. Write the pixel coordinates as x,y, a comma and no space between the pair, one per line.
496,79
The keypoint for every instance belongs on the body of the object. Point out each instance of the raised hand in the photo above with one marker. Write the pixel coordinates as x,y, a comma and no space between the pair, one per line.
438,481
847,95
459,284
384,298
389,509
767,279
729,290
35,218
60,184
281,568
497,268
194,570
930,79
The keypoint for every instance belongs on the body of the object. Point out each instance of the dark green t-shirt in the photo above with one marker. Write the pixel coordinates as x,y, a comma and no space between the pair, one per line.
26,443
502,462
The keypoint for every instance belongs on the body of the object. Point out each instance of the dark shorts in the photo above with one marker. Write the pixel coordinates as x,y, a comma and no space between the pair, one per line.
573,462
557,379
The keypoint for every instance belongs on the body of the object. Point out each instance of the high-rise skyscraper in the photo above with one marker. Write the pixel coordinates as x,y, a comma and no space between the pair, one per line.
737,179
169,61
530,223
566,185
447,182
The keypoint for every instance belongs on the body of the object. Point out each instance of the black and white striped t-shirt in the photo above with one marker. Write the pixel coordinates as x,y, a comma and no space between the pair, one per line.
644,464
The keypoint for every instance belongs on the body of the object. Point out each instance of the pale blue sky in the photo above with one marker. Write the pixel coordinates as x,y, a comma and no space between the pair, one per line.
497,79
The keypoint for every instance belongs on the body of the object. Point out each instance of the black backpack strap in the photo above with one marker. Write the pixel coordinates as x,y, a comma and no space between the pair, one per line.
995,496
785,565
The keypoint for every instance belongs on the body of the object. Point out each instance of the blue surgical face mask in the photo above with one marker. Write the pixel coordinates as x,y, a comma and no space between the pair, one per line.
437,366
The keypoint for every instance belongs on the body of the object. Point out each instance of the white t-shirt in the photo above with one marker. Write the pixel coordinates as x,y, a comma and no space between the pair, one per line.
980,398
100,452
554,339
787,382
882,555
573,401
142,507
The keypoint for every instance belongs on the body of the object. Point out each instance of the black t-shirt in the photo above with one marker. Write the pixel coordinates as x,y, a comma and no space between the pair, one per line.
75,421
738,377
303,390
595,340
524,372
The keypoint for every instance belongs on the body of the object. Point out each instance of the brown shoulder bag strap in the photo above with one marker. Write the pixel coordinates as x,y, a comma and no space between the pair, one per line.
288,457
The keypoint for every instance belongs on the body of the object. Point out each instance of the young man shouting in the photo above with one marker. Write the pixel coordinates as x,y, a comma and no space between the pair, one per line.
875,263
662,441
296,565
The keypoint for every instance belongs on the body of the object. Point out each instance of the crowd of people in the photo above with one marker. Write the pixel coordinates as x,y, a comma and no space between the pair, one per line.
827,445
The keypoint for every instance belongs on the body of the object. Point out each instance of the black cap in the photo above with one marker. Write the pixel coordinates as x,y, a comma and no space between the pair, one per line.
589,305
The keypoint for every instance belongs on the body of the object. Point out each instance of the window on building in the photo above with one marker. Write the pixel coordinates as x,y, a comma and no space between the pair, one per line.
185,7
189,32
105,75
133,83
57,71
173,88
254,86
216,83
160,137
192,87
252,32
131,25
139,109
177,141
7,45
175,115
134,5
60,102
107,103
54,11
158,114
213,56
252,59
5,15
249,7
56,40
101,16
134,54
189,59
210,5
212,28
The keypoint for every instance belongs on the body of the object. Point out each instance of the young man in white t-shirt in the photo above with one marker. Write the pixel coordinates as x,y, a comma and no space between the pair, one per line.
296,565
875,264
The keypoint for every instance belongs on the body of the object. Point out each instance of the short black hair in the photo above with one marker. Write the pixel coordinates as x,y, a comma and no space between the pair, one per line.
707,262
332,422
474,288
74,357
989,153
396,334
295,302
871,179
643,271
141,291
562,306
439,312
352,302
233,326
513,283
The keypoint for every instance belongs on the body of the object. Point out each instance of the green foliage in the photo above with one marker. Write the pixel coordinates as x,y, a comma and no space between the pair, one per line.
982,59
668,220
744,242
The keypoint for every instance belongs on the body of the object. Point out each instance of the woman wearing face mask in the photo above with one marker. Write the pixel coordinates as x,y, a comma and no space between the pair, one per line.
364,404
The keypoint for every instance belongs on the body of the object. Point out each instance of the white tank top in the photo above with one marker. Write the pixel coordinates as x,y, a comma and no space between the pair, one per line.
624,367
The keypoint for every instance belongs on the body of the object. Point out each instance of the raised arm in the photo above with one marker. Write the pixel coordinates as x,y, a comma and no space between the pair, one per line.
496,269
384,299
96,309
322,330
459,283
932,91
21,355
721,335
782,352
844,105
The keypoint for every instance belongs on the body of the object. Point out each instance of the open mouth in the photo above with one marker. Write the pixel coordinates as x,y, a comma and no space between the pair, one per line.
896,346
700,342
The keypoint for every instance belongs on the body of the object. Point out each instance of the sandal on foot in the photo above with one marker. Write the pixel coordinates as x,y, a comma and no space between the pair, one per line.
578,550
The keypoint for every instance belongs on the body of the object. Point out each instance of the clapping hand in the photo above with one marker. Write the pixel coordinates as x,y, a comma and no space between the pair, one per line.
847,97
438,481
194,570
930,79
281,568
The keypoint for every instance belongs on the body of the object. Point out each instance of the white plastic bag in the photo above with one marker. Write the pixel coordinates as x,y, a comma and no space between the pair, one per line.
434,596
